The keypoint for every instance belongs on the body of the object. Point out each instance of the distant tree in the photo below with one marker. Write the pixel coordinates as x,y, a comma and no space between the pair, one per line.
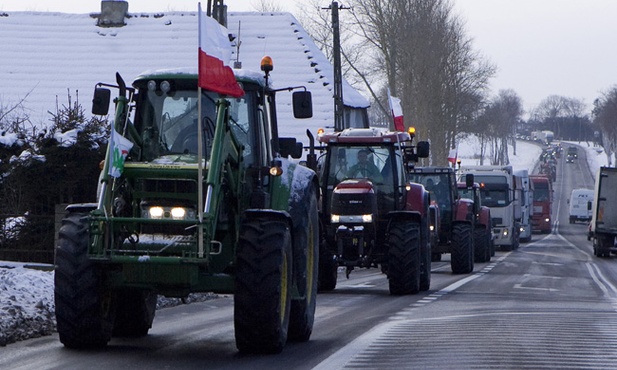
267,6
560,114
497,123
605,118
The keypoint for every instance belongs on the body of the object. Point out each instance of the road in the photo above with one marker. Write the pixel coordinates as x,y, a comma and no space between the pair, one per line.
549,304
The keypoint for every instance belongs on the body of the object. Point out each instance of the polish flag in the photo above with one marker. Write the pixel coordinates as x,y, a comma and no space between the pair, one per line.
215,74
453,155
396,111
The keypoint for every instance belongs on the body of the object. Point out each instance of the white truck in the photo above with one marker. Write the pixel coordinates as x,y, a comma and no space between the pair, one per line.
526,202
498,185
603,227
580,205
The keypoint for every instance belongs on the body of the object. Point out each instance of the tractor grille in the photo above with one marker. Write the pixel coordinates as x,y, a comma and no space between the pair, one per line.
354,204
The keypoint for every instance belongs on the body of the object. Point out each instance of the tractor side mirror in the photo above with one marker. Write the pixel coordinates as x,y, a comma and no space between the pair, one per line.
100,101
469,180
302,104
288,146
422,149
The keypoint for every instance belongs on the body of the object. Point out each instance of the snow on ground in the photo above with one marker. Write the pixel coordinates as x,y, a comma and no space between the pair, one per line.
26,291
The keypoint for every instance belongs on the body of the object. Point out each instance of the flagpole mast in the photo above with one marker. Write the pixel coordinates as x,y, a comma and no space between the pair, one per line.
200,170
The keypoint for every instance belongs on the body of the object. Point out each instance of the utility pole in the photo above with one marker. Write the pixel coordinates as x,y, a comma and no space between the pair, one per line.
339,122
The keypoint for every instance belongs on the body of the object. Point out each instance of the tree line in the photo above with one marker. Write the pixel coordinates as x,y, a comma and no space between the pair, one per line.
42,167
420,51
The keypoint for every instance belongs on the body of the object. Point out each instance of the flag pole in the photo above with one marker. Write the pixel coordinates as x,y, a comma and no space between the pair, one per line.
200,174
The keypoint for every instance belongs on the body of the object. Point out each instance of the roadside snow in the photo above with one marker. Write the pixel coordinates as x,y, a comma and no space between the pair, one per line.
27,307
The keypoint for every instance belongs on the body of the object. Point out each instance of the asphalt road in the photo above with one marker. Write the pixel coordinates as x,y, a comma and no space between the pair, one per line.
549,304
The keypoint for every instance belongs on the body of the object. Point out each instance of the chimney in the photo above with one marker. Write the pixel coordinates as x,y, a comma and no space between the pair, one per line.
113,13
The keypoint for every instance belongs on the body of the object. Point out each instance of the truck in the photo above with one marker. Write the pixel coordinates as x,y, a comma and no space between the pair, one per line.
371,215
579,205
200,197
545,136
525,194
457,217
499,194
542,203
603,225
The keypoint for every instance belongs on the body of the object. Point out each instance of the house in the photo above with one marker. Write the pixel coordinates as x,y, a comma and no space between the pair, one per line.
45,57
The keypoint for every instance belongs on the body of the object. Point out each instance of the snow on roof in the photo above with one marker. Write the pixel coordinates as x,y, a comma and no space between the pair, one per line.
45,55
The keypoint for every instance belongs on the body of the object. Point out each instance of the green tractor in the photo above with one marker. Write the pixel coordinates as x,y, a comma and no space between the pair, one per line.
206,201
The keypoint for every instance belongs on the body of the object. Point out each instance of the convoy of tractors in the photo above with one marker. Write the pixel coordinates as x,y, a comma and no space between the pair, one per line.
204,196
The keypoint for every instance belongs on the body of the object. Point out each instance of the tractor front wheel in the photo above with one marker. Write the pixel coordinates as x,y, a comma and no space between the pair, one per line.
84,304
262,299
404,257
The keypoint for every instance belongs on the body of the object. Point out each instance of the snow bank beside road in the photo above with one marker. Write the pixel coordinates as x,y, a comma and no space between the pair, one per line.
26,303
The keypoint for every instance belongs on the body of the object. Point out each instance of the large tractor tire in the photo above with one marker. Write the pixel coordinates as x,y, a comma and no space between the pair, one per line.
425,260
135,310
262,299
84,305
306,271
481,248
462,248
403,242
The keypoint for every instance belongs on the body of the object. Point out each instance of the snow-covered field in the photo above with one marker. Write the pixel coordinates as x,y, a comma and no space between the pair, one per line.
26,292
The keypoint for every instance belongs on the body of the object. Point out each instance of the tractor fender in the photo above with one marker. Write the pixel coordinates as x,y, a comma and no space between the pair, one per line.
463,210
485,216
413,216
270,214
81,207
417,199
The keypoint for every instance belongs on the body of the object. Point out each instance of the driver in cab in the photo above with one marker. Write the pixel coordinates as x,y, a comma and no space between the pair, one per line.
364,168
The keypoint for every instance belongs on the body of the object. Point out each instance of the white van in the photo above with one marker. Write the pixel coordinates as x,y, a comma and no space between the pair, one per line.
580,205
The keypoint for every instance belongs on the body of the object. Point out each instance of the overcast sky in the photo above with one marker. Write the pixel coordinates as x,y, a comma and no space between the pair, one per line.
540,47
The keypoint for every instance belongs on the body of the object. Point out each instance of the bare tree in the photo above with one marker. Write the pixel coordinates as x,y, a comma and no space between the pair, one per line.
266,6
497,123
427,61
605,117
555,110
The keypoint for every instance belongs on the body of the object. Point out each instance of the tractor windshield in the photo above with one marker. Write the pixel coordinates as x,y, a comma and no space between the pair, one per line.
360,162
169,123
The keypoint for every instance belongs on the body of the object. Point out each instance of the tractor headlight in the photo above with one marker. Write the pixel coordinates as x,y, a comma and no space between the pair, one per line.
505,232
351,219
156,212
168,213
547,219
178,213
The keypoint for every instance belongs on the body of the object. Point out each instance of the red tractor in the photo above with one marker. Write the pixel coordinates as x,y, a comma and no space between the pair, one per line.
484,248
371,214
458,218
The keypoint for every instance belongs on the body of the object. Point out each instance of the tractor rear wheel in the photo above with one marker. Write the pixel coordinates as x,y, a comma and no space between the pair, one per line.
462,248
403,257
425,260
481,248
262,299
84,305
306,255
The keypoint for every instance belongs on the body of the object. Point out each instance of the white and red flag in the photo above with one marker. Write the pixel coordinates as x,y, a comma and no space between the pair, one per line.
215,74
396,111
453,156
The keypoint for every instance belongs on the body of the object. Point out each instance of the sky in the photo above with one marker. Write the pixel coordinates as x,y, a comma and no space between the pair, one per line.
540,48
